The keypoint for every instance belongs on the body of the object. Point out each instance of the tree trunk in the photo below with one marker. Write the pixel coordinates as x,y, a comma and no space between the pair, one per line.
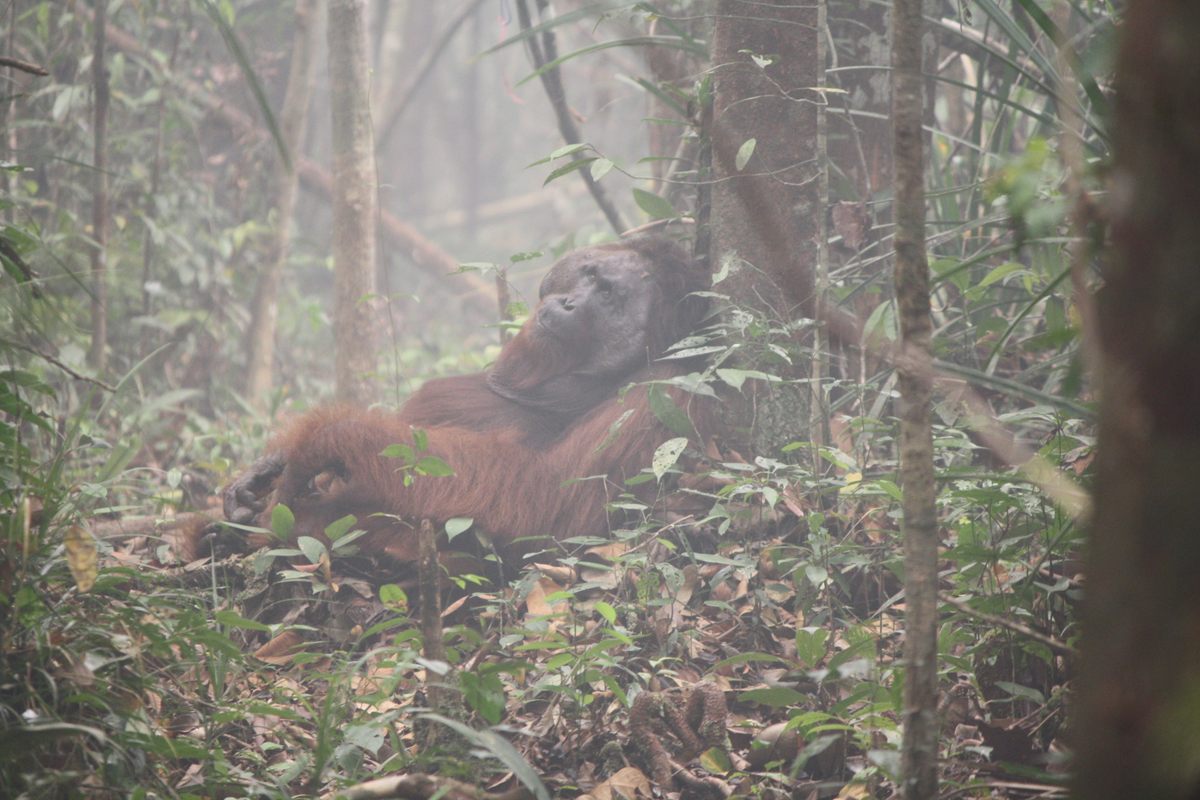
1137,730
765,215
98,354
354,203
292,118
914,362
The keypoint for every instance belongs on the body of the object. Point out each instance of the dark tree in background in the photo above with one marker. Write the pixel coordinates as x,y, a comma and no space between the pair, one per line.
765,199
1138,725
292,123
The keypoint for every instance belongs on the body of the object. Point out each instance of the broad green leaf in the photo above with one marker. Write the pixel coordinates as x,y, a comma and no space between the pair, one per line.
669,414
1001,272
657,207
776,696
313,549
666,455
282,521
600,168
737,377
568,149
401,451
340,527
608,612
393,597
810,645
744,153
501,749
434,467
570,166
457,525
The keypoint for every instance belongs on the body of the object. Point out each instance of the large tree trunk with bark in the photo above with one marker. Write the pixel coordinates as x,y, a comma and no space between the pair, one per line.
1137,730
292,123
355,203
766,207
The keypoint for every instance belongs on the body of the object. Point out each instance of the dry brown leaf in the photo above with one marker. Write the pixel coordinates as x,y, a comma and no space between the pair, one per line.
455,606
282,649
628,783
81,556
606,579
609,552
535,601
557,572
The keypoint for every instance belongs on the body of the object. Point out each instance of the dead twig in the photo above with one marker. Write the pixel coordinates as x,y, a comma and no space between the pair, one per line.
23,66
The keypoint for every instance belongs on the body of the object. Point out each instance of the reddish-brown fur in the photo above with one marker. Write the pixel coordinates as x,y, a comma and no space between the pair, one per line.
535,443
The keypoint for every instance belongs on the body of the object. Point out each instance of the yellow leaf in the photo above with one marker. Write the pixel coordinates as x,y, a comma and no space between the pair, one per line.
81,556
854,791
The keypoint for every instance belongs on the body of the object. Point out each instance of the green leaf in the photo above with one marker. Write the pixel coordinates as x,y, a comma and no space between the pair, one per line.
484,693
501,749
744,153
737,377
401,451
313,549
600,168
666,455
457,525
810,645
716,761
282,521
1001,272
775,696
669,414
568,149
657,207
340,527
346,540
570,166
608,612
393,597
434,467
235,620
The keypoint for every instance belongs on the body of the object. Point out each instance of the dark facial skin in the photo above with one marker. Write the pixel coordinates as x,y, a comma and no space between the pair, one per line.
598,303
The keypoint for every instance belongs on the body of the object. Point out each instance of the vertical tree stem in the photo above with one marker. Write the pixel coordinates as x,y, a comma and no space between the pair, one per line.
98,354
919,750
355,202
292,117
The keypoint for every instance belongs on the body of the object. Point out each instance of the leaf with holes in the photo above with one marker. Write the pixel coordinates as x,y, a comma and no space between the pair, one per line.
666,455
